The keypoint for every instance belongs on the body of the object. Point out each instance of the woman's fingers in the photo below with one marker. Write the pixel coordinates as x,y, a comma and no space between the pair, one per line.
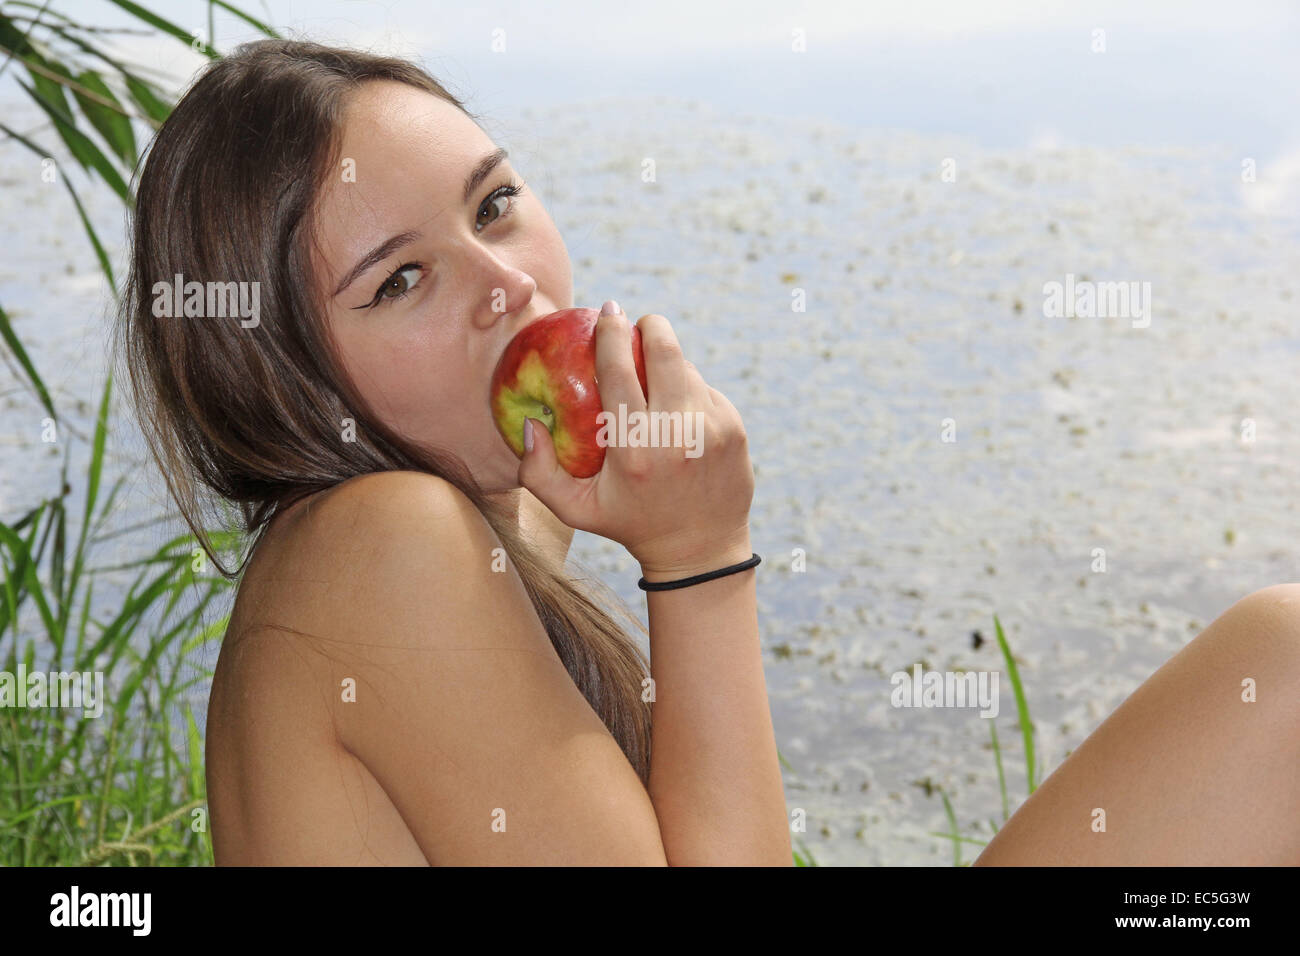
568,498
615,370
697,382
665,371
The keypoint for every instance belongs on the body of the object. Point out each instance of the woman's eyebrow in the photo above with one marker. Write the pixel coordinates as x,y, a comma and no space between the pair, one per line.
480,172
378,254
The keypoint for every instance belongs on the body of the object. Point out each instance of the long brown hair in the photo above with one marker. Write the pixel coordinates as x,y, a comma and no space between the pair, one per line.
253,415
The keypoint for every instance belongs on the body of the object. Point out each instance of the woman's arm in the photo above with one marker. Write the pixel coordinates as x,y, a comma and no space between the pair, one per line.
714,774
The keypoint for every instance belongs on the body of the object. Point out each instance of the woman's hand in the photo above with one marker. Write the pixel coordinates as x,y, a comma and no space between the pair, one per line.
677,515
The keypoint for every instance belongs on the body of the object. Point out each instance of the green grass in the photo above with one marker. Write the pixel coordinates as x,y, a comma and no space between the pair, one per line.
118,788
1031,767
804,858
128,787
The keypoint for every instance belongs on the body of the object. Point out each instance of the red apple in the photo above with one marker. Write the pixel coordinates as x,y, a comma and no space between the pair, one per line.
548,373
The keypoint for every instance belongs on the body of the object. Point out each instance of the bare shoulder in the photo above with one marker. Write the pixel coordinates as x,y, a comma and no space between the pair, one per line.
392,507
437,675
388,493
351,556
305,643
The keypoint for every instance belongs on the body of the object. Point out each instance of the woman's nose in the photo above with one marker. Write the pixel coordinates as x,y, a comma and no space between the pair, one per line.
505,289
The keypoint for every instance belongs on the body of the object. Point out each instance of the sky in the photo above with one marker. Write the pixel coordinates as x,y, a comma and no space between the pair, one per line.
1005,73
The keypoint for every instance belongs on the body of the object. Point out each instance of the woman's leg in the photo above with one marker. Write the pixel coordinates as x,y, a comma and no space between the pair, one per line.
1186,771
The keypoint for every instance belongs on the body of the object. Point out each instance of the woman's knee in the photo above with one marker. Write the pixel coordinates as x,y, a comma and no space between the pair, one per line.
1255,646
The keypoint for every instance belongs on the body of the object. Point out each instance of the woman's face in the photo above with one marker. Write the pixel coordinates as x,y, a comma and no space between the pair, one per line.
424,285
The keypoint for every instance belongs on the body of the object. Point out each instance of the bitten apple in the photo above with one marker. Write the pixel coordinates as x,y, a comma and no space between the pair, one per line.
548,373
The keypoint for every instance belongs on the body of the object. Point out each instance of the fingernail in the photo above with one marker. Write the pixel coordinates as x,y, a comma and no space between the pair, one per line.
528,434
610,308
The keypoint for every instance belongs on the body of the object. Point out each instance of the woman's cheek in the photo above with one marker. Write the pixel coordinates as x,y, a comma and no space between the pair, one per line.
388,373
418,385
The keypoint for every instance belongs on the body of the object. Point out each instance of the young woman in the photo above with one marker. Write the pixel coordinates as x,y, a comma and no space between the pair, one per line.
409,677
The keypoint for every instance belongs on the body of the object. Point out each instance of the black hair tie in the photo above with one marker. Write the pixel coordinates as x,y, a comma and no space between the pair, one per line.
645,585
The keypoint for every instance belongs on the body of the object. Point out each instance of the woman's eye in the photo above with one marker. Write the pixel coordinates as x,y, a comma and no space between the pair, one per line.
504,194
398,284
